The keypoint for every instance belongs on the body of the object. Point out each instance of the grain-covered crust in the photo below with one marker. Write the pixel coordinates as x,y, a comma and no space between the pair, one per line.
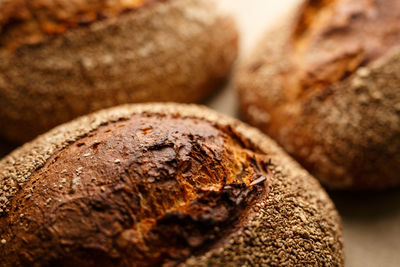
324,82
293,222
175,50
29,22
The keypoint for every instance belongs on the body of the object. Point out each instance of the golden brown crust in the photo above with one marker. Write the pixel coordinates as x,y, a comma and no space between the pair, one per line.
29,22
177,50
295,223
337,113
332,39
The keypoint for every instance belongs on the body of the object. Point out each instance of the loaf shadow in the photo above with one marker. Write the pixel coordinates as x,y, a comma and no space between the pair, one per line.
6,147
371,223
367,205
224,100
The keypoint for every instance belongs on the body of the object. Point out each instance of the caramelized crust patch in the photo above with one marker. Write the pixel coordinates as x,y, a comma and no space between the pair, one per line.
333,38
153,190
29,22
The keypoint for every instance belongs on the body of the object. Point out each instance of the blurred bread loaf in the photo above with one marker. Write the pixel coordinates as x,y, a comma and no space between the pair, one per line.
325,83
62,59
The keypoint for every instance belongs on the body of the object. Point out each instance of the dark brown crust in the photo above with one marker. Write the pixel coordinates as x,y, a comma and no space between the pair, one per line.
179,50
149,190
339,115
296,222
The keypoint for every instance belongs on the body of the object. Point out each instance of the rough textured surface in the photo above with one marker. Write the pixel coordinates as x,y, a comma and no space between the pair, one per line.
28,22
295,223
365,30
341,123
177,50
149,190
371,221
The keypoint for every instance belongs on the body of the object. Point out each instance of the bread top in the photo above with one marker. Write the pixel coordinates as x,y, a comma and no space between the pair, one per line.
29,22
152,187
331,39
292,222
344,132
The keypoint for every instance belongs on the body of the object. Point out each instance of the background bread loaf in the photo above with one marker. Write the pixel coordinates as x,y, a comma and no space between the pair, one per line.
61,59
162,184
325,84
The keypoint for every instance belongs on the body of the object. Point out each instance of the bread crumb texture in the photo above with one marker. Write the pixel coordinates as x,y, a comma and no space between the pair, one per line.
151,184
177,50
325,84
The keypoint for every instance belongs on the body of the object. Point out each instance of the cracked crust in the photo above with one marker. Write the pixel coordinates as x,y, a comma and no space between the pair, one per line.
336,112
294,222
177,50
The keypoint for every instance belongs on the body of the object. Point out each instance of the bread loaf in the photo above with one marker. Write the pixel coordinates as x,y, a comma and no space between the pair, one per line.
162,185
325,83
62,59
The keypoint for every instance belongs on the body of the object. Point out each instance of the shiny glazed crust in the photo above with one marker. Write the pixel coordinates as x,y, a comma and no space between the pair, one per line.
177,50
339,116
294,222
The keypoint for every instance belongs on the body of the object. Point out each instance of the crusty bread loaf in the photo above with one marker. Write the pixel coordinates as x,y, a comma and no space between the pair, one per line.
61,59
162,185
325,83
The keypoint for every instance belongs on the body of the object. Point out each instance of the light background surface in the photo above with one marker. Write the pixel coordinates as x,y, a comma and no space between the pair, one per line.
371,221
